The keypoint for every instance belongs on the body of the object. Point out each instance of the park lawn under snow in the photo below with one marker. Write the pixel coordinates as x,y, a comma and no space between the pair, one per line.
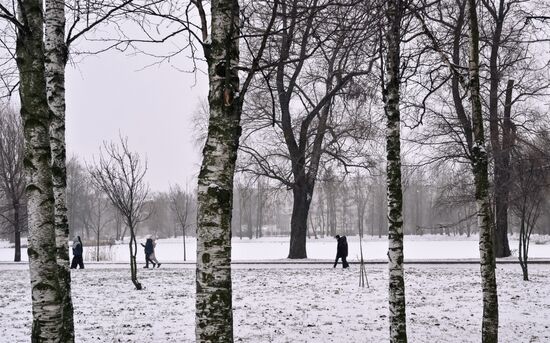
428,247
297,303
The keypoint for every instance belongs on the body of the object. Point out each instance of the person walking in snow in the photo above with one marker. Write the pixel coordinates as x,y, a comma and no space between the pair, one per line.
78,250
150,253
341,251
152,256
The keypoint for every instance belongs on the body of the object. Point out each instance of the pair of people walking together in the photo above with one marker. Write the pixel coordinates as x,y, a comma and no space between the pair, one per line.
149,247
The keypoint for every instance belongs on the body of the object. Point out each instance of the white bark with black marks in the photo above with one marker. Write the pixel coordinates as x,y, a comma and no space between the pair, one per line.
47,306
55,61
214,317
480,169
398,325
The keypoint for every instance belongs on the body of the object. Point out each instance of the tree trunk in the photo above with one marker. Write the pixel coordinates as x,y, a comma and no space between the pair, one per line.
184,246
259,211
398,323
249,223
298,221
17,232
97,244
214,316
502,248
522,255
502,185
47,307
133,250
479,166
56,59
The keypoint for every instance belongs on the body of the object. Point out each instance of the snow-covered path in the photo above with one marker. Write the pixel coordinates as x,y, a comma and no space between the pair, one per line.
289,304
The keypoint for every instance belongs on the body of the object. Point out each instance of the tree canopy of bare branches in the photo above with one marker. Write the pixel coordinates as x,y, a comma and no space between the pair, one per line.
120,173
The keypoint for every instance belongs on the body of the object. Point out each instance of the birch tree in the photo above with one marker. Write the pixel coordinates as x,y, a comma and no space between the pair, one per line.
56,55
391,90
47,294
213,313
214,317
489,327
120,173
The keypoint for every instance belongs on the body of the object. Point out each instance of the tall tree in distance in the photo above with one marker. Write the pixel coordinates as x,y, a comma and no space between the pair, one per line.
391,96
120,173
12,180
180,204
317,66
480,169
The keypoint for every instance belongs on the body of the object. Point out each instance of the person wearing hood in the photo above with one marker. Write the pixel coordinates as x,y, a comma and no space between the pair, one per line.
341,251
78,250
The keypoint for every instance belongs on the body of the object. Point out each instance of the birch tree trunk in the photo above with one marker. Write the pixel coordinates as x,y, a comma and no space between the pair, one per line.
46,294
214,317
479,165
56,59
398,327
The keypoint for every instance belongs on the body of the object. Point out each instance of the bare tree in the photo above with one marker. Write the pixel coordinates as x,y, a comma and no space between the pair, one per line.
180,204
97,216
120,174
322,48
12,181
77,195
530,175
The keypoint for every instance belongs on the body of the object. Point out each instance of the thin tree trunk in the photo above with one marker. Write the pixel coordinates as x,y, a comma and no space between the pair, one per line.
17,232
184,246
97,241
133,250
479,165
214,316
398,324
47,307
521,254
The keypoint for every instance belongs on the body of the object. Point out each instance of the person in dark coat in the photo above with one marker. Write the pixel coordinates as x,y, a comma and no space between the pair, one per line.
342,251
78,250
149,249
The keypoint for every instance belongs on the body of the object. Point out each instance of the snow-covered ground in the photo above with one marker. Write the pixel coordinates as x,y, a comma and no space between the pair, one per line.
289,304
274,248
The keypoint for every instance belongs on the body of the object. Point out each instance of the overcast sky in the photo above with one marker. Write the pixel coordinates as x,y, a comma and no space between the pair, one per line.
153,107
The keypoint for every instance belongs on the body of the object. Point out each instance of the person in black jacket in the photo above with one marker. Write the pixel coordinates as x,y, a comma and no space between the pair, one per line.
78,249
342,251
149,249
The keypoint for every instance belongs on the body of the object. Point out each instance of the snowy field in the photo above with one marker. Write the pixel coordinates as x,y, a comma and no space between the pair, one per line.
289,304
429,247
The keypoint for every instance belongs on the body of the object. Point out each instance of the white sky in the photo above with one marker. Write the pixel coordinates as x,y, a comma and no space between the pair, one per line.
153,107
